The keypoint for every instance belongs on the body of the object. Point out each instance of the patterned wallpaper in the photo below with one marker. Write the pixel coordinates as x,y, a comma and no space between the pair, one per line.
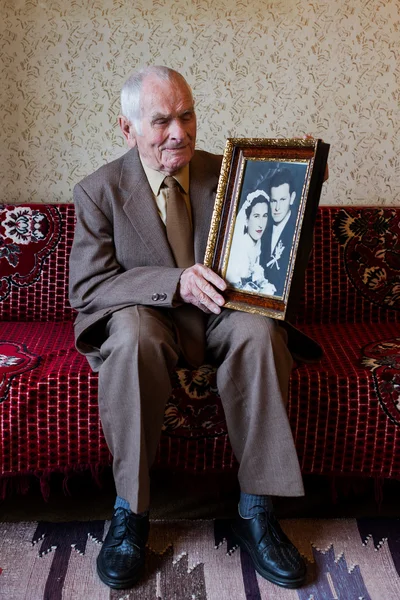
259,68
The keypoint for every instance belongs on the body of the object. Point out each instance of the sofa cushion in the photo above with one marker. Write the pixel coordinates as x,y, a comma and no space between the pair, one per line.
371,252
339,424
50,419
35,241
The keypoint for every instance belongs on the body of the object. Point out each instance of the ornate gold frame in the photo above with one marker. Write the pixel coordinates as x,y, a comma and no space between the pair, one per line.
313,154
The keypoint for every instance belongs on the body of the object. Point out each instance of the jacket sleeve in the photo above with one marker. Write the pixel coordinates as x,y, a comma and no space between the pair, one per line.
98,283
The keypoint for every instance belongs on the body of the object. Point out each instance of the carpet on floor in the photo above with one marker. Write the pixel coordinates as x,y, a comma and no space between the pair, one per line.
348,559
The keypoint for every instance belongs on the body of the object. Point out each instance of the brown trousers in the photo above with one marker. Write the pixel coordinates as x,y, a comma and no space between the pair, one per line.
252,378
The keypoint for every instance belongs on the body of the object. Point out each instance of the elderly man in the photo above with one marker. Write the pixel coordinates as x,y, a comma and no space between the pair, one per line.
145,301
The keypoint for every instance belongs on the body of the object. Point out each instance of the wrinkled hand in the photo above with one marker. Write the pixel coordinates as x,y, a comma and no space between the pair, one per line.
197,286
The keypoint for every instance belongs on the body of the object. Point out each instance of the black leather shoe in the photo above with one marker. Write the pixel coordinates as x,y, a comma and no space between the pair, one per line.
121,560
272,553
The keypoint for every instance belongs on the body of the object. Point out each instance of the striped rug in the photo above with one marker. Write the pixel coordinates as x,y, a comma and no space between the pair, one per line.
348,559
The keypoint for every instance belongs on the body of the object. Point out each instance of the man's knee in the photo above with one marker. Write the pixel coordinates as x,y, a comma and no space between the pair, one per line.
139,330
253,328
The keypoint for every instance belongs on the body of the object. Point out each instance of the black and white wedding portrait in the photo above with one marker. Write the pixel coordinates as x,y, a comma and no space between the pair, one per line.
266,226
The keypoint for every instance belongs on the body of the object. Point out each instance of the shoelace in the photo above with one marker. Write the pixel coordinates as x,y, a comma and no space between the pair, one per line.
128,527
269,524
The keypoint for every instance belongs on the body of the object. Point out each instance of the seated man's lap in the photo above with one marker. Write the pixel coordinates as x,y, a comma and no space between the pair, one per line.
231,328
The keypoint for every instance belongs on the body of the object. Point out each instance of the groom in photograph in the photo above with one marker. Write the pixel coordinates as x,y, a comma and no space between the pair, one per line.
278,240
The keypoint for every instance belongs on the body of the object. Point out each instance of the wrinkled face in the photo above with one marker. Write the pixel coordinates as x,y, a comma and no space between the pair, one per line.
281,201
167,138
257,221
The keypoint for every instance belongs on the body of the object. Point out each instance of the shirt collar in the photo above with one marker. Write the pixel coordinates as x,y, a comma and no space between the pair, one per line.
155,178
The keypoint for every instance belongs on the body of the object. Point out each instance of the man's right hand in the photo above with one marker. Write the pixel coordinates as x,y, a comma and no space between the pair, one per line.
197,286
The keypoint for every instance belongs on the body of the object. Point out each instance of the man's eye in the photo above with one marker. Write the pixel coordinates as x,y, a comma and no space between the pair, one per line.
160,121
187,116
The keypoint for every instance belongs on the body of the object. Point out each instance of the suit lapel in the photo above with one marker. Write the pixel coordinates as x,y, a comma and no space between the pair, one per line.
203,186
140,208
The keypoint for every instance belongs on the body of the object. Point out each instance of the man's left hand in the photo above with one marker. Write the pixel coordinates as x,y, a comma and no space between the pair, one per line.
197,286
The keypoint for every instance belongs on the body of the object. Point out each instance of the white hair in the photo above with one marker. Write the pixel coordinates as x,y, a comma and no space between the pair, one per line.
131,91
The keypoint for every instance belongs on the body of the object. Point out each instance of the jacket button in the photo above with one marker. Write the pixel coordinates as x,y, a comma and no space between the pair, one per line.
163,296
155,297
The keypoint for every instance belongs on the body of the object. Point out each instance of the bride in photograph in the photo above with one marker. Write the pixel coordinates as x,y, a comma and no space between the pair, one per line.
244,270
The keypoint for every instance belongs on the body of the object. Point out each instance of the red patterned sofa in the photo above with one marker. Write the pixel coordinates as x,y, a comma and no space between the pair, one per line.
344,411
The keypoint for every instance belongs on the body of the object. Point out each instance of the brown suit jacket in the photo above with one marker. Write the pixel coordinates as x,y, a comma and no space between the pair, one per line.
120,255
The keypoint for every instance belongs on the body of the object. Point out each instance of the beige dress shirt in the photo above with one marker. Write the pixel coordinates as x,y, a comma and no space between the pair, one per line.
155,179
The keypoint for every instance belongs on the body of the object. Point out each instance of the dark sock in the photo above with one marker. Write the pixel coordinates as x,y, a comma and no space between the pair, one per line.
252,504
122,503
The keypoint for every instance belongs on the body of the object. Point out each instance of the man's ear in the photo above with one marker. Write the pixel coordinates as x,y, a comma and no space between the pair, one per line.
292,198
128,131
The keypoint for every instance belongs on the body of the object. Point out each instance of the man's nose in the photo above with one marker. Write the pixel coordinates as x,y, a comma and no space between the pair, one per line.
176,130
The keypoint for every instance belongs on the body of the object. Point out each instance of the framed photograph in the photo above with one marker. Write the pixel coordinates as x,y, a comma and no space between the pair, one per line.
261,233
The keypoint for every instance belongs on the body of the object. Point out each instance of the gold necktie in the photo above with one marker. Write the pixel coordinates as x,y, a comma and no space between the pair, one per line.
188,319
179,229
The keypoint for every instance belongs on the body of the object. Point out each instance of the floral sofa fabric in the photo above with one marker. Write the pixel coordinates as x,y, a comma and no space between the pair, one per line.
344,410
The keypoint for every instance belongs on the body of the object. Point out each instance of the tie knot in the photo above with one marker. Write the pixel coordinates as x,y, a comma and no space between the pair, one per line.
171,182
